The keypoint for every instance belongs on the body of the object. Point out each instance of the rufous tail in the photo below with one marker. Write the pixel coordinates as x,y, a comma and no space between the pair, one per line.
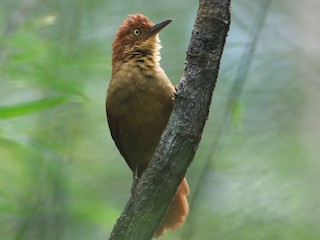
178,210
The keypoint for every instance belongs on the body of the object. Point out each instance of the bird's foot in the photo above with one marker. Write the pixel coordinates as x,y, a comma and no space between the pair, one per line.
134,190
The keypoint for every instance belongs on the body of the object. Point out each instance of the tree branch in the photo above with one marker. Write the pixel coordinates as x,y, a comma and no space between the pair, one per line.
158,185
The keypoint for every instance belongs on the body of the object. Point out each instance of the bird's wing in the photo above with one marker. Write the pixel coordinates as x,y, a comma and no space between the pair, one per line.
114,126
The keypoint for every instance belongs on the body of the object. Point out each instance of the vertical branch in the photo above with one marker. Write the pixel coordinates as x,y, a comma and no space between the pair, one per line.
232,98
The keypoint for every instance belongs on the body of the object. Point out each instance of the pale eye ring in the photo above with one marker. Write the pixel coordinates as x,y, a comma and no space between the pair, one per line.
136,32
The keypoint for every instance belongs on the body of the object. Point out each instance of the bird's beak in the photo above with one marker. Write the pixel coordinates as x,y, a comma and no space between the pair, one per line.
158,27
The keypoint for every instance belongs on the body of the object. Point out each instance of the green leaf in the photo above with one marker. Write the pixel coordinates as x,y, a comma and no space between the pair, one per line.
30,107
237,114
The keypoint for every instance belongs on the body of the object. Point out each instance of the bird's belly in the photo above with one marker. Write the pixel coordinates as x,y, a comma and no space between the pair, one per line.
141,127
141,106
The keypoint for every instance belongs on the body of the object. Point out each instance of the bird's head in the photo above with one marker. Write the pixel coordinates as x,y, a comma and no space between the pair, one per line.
137,37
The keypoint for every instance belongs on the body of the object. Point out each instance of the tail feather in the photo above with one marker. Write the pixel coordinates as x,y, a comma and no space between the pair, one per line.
178,210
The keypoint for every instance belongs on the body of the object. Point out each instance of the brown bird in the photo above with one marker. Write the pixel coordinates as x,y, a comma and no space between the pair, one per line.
140,99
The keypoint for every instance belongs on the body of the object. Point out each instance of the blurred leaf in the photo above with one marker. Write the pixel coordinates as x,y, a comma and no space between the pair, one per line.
237,115
30,107
45,21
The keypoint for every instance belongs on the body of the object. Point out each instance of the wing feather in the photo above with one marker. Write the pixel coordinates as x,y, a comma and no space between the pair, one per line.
114,126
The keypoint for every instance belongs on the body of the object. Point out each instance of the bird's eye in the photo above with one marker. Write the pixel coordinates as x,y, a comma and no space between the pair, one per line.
136,32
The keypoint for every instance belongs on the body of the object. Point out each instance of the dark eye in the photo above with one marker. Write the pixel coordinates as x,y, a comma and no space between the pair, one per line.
136,32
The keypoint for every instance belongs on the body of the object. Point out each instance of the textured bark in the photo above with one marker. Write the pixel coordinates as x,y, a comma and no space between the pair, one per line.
156,189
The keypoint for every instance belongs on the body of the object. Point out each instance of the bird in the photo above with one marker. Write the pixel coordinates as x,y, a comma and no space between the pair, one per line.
140,99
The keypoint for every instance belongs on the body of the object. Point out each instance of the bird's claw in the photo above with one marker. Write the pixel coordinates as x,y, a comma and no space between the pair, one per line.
134,190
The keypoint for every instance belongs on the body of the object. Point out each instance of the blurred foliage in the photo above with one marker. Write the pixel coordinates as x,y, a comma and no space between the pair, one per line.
61,177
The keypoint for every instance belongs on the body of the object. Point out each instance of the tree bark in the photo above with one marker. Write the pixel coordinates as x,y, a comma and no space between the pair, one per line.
158,185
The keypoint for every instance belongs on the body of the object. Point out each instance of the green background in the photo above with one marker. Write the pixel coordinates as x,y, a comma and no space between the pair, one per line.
256,172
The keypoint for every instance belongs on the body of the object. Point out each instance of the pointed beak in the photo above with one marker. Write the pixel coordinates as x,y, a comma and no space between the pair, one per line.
158,27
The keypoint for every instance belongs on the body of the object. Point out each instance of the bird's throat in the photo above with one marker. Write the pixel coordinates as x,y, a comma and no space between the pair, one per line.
145,54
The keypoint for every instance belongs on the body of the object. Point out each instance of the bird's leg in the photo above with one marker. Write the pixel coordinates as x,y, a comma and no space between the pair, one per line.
135,181
135,175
